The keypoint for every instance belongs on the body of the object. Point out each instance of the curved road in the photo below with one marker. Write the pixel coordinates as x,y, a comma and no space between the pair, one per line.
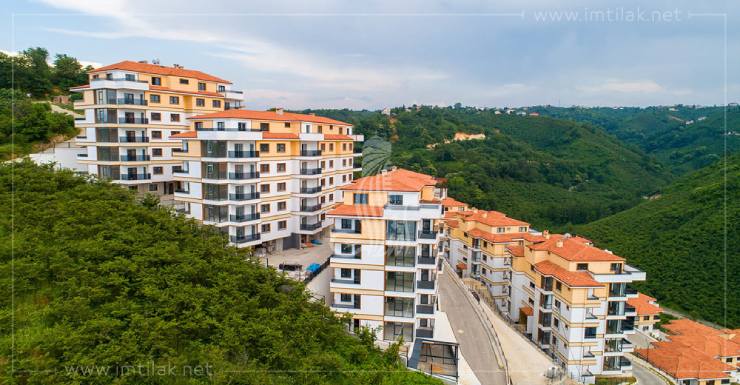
646,376
469,331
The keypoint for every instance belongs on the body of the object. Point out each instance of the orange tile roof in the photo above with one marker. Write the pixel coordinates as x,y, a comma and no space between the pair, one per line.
269,115
643,306
357,211
156,69
527,310
166,89
575,249
185,135
687,326
714,345
393,180
516,250
683,362
452,202
462,266
497,238
495,218
452,223
337,137
279,135
570,278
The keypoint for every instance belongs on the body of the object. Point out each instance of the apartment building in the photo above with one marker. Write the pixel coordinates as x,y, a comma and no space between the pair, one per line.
568,296
267,178
385,238
648,313
131,111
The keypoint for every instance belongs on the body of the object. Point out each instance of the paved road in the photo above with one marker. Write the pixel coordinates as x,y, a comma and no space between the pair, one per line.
645,376
469,332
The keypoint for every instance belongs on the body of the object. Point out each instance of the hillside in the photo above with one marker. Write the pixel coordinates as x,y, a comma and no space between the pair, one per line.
549,172
109,290
683,138
678,239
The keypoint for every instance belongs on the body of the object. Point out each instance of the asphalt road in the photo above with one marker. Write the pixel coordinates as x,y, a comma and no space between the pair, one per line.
469,332
645,376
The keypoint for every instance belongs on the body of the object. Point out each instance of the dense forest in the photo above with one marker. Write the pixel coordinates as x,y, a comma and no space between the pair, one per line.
549,172
678,238
27,80
104,283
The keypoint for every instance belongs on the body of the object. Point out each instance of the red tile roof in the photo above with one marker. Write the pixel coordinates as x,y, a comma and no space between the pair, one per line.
527,310
393,180
269,115
451,202
156,69
516,250
643,306
575,249
185,135
166,89
570,278
687,326
495,218
462,266
356,211
683,362
498,238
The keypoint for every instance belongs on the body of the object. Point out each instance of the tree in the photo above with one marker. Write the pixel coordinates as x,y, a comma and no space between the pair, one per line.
37,80
68,72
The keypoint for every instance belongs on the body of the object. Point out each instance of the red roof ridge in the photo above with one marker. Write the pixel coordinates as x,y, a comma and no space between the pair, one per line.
128,65
268,115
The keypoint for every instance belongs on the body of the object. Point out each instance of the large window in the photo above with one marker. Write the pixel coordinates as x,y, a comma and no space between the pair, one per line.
400,230
360,199
395,199
398,281
400,255
399,307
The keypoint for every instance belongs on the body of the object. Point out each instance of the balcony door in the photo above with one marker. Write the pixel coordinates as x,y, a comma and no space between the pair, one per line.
426,226
130,136
131,154
130,117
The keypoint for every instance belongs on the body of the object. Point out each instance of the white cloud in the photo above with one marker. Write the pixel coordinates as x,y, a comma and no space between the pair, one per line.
612,85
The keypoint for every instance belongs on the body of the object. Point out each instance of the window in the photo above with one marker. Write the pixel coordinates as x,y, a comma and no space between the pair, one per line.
281,147
590,332
198,125
331,164
156,116
157,134
345,273
154,98
395,199
331,197
264,126
281,186
400,230
287,124
281,167
264,147
265,168
265,208
152,187
174,117
500,229
345,297
216,104
646,318
157,81
331,146
156,152
265,227
158,170
130,77
174,100
582,266
531,285
201,86
360,199
558,286
200,102
282,206
184,81
282,225
265,188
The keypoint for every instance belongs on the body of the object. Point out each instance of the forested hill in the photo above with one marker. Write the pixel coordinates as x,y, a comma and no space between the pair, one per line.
685,138
547,171
679,240
104,285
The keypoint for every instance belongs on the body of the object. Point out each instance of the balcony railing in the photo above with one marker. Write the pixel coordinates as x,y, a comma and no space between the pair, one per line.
310,208
425,285
310,226
244,238
244,217
425,309
424,332
182,191
133,139
423,260
118,80
355,255
244,154
346,231
428,234
310,190
310,171
133,102
310,152
146,176
135,158
244,175
105,119
244,196
346,281
133,120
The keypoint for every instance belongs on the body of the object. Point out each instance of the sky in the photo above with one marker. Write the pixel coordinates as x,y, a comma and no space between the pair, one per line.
375,54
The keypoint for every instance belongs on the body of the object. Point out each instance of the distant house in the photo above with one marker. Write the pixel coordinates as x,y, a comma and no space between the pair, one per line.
534,114
60,99
648,312
463,136
699,119
386,111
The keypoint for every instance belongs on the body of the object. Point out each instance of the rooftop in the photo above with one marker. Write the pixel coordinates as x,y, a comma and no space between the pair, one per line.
394,180
157,69
575,249
682,362
570,278
644,305
452,202
269,115
357,211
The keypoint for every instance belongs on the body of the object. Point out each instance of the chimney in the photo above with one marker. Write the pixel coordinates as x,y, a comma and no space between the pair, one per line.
559,243
177,66
608,251
143,62
546,234
279,110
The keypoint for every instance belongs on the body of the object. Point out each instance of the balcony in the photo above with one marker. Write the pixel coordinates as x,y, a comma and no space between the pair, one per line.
244,217
310,152
244,238
428,285
428,234
346,231
310,226
344,257
310,171
244,196
425,309
426,260
135,158
105,119
310,208
133,121
182,191
133,139
146,176
244,175
424,333
310,190
243,154
129,101
346,306
346,281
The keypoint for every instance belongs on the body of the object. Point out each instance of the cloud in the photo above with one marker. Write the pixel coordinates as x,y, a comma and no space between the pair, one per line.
641,86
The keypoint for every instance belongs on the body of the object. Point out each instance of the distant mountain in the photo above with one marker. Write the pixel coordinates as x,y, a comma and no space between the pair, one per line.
550,172
678,238
682,137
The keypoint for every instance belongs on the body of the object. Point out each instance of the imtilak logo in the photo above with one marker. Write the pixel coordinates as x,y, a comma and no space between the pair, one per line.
611,15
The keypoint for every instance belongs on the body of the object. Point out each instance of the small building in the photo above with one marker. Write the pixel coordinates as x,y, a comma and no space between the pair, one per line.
648,312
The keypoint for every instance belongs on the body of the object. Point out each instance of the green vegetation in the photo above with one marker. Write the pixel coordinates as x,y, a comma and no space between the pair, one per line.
102,281
547,171
665,318
30,72
679,240
615,380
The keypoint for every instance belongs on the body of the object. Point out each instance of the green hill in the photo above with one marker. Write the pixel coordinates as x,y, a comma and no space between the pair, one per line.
107,290
550,172
679,240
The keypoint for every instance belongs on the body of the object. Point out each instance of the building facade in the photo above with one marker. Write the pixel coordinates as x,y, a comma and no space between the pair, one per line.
267,178
386,243
566,295
131,111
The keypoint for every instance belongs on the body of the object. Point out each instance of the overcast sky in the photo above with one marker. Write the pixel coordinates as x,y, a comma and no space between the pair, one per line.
372,54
